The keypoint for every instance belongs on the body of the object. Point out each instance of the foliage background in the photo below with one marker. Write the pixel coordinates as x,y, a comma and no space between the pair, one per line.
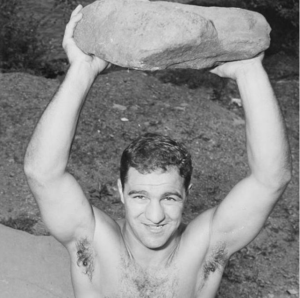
25,48
187,103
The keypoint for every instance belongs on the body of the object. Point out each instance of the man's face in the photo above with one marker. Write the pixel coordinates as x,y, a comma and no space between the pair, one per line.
154,204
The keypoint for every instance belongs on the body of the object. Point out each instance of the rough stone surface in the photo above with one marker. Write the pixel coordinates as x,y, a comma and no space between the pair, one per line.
157,35
33,267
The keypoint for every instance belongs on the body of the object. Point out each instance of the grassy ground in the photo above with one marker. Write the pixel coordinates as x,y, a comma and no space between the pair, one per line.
193,106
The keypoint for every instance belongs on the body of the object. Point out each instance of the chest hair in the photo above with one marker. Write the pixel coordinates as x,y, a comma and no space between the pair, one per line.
138,282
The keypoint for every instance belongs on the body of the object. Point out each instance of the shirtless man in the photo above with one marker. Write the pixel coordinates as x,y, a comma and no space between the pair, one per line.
151,253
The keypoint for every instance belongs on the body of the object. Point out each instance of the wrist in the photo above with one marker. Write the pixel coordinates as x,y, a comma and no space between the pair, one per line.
81,74
253,69
78,81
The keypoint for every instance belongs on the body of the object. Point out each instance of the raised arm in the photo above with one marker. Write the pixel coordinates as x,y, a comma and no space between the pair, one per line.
63,205
242,214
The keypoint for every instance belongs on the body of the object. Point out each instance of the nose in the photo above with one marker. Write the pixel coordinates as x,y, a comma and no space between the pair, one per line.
155,212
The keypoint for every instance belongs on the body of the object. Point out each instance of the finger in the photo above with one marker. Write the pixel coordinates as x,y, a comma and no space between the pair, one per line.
72,24
76,10
75,19
214,69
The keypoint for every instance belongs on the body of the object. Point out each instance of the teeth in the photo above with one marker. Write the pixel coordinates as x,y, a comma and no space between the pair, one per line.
155,228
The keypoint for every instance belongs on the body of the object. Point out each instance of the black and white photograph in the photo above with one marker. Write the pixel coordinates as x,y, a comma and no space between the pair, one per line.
149,149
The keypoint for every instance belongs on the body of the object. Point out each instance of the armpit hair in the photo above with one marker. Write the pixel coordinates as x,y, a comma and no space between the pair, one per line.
216,260
85,257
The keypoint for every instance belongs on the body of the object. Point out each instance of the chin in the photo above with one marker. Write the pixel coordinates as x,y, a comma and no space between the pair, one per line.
157,244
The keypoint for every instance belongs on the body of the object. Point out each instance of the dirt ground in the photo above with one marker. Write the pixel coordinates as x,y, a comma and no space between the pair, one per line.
125,103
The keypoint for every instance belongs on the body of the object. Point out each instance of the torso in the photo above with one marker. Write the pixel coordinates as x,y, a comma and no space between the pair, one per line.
110,271
140,282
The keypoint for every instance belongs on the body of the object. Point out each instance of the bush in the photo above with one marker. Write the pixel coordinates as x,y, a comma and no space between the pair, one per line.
23,223
285,9
22,48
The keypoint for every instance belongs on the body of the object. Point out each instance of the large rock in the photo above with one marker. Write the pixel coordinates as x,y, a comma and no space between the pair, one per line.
33,267
157,35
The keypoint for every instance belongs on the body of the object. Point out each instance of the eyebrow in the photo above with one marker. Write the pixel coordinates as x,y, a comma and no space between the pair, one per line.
138,192
143,192
175,193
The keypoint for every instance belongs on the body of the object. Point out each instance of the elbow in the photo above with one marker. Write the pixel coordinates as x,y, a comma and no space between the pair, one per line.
30,168
286,173
275,174
286,177
36,174
274,181
32,174
41,171
38,181
280,181
37,178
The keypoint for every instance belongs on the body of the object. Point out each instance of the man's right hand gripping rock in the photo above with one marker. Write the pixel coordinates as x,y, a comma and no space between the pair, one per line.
93,64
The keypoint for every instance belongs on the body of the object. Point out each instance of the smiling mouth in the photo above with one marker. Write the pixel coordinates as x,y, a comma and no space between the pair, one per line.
155,228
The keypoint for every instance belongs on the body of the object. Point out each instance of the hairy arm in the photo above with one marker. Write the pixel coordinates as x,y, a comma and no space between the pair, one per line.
242,214
63,205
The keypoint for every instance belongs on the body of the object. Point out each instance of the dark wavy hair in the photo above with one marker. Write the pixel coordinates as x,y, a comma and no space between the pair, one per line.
151,152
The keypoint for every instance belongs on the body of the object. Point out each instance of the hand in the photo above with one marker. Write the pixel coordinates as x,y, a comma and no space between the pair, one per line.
233,69
74,54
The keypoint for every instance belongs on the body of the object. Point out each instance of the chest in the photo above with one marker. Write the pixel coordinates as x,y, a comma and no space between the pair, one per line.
138,282
129,280
119,276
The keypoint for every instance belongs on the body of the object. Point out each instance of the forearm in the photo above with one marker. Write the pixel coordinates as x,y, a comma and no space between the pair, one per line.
267,145
48,151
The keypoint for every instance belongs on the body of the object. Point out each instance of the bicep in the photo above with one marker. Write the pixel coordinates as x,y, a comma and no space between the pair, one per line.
64,208
241,215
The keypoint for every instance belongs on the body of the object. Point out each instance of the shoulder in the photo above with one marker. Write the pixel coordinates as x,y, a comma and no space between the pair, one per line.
196,236
105,230
105,244
200,226
106,227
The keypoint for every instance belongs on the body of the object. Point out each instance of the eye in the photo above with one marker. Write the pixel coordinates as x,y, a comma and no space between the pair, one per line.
170,199
139,197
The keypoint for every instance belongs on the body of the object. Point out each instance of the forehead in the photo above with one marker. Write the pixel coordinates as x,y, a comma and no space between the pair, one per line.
157,179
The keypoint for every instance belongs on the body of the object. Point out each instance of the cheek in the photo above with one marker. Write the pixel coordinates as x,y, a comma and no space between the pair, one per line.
133,209
174,212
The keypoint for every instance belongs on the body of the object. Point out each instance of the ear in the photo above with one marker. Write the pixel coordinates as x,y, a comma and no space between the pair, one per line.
189,189
120,189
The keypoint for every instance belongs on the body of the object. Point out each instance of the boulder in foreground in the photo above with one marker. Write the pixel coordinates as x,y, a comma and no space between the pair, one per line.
148,35
33,266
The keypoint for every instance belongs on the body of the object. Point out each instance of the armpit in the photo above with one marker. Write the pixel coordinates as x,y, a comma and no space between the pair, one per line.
85,257
217,259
